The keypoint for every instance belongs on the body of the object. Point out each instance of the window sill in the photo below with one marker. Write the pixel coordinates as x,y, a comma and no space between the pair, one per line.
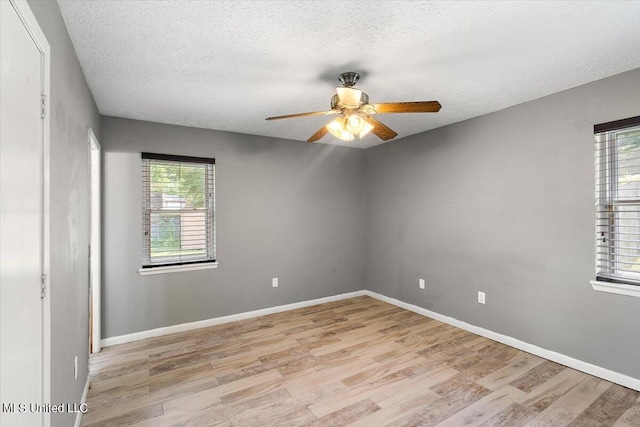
177,268
616,288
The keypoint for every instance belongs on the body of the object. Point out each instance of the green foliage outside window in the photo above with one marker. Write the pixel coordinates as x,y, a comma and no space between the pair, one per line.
185,182
175,187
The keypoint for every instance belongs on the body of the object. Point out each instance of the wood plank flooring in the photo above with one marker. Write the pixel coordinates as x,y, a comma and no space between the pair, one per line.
357,362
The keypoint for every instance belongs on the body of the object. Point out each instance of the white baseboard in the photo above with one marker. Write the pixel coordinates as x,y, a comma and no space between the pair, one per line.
597,371
106,342
607,374
83,399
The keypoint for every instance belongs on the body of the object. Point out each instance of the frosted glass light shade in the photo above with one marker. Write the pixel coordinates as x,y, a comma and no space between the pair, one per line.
355,124
337,129
349,96
366,130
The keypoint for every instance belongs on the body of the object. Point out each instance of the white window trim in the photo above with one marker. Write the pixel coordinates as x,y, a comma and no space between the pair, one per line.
177,268
616,288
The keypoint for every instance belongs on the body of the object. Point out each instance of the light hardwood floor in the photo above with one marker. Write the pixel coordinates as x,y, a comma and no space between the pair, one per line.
359,362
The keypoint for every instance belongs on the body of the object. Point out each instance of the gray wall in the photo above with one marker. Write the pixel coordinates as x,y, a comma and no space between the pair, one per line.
73,111
284,209
504,204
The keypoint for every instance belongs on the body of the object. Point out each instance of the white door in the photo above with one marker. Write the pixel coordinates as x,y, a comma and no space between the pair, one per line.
21,221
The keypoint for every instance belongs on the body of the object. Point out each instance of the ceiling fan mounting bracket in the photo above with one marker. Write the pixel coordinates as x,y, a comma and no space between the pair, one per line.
349,78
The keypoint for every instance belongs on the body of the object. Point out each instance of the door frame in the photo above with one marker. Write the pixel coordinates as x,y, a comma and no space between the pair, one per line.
95,241
37,35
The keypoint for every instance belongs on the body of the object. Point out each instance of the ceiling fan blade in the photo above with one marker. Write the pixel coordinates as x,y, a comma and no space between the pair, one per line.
408,107
313,113
319,134
381,130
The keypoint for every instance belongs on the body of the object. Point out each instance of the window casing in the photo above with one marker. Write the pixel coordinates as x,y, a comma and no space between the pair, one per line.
618,201
178,210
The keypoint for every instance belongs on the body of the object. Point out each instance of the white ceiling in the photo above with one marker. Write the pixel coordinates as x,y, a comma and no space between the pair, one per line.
227,64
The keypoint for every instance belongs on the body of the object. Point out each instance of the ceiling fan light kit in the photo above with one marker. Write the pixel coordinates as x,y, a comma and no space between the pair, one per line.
357,125
356,113
347,127
337,129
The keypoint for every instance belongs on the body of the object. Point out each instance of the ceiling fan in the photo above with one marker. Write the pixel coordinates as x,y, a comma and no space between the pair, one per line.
356,113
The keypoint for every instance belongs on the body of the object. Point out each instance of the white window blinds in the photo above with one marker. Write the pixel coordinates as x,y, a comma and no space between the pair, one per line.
618,201
178,205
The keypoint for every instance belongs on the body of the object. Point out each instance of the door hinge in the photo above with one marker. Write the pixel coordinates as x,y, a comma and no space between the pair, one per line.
43,285
43,106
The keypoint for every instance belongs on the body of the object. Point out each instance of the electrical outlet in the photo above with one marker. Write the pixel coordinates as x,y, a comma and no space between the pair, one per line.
75,368
274,282
421,283
481,297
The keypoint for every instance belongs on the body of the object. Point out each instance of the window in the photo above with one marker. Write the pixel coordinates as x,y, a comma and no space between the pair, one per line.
178,221
618,202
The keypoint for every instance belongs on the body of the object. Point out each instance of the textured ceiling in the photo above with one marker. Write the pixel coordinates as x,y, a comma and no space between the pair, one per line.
228,65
